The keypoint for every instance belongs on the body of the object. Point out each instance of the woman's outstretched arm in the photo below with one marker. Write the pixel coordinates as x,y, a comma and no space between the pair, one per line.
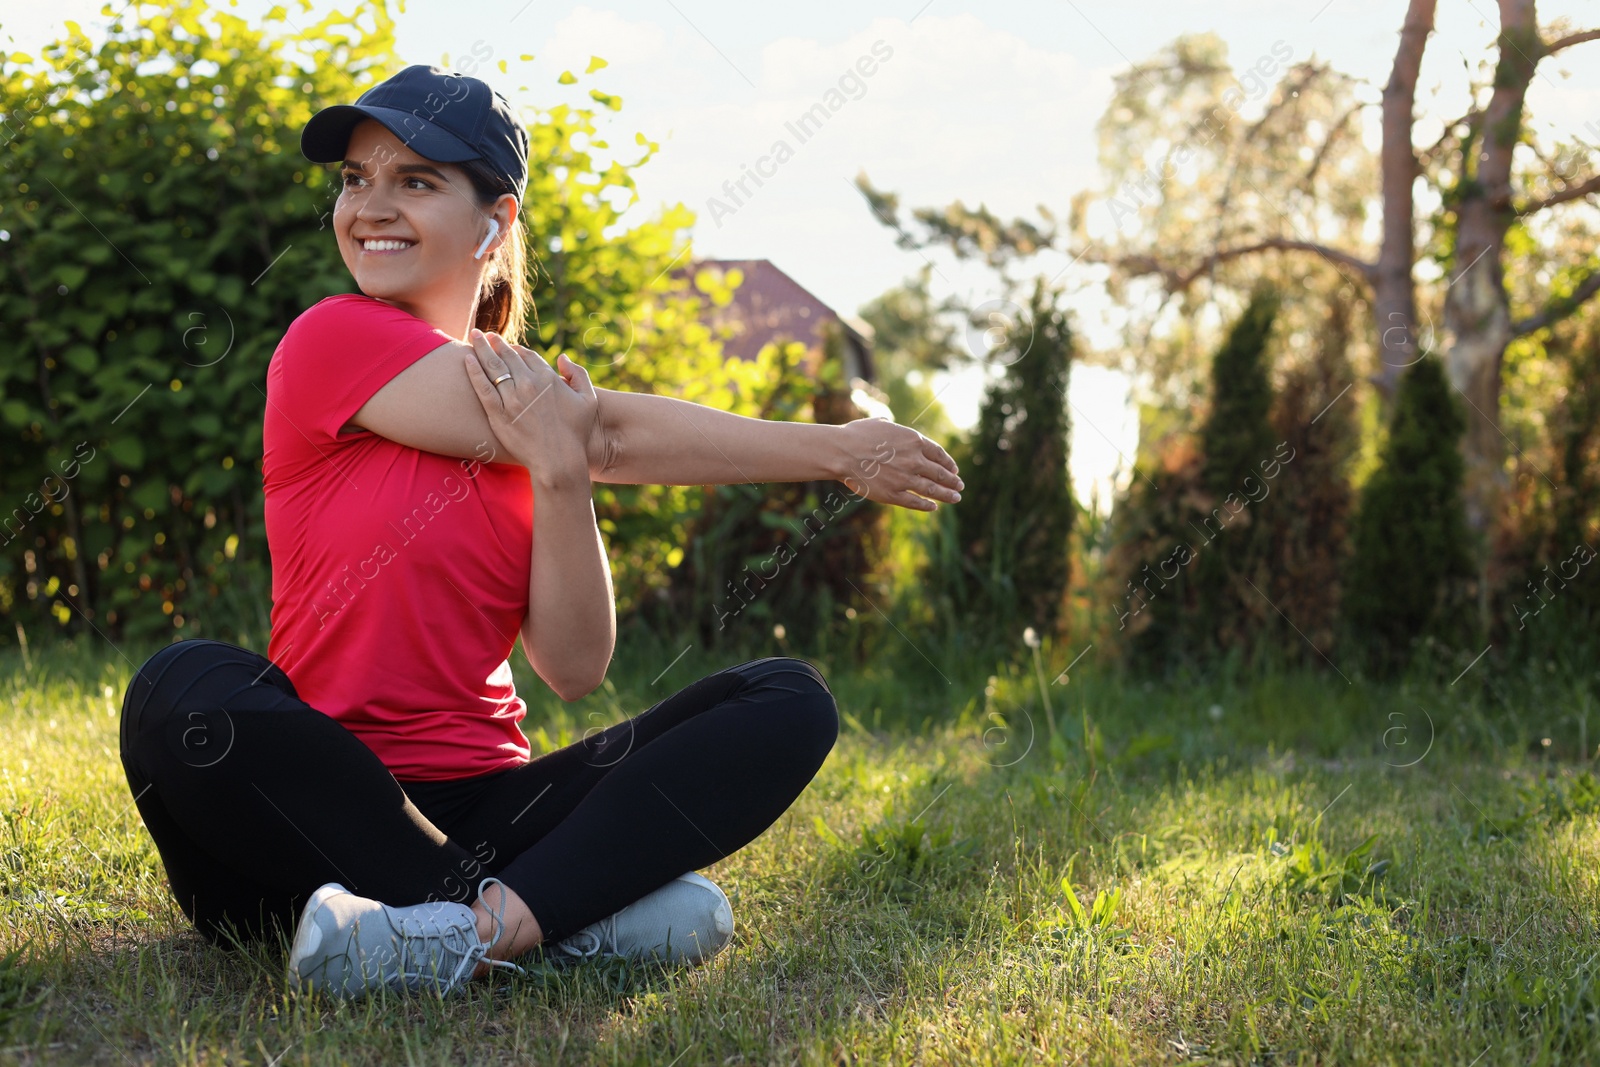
646,439
661,440
639,438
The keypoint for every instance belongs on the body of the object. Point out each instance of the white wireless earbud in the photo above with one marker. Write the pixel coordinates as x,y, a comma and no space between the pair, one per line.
494,228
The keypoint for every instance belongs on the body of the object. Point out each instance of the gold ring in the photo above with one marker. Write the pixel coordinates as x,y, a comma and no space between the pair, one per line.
502,378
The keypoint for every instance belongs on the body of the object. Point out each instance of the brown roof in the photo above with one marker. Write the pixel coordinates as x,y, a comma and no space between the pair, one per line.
770,306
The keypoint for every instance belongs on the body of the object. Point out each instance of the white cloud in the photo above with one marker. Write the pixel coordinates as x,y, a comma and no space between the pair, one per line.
587,32
958,110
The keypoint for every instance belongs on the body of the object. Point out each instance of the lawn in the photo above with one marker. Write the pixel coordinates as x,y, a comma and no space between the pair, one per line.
1297,870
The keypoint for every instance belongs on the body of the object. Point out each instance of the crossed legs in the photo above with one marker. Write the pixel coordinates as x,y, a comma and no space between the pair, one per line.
254,798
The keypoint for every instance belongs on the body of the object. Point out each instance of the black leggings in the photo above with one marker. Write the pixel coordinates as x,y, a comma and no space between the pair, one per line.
254,798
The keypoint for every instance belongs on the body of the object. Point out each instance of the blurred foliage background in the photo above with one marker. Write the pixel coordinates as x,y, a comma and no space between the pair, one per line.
160,231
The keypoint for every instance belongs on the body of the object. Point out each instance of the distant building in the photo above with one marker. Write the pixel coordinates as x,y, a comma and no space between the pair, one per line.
771,307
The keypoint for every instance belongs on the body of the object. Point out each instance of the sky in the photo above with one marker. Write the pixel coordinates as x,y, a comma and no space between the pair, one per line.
993,105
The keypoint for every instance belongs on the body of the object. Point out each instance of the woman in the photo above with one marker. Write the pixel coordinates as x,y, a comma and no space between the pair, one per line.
365,787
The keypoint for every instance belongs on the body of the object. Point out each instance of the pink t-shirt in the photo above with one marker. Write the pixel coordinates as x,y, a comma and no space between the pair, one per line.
399,577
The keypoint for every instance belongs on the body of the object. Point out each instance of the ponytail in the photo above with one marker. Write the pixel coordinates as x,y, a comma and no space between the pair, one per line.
504,300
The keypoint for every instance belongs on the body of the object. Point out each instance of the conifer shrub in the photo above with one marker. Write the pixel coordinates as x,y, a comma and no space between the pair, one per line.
1411,551
1011,565
1197,556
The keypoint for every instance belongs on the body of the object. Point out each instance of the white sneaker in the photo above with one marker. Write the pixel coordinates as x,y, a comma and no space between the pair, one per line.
688,920
349,946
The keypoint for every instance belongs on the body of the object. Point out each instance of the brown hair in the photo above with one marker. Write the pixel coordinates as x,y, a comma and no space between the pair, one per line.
505,299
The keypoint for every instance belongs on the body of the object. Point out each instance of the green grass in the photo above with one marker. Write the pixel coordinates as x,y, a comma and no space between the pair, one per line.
1269,883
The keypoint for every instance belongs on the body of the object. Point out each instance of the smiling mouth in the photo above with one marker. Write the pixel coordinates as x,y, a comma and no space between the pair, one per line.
385,245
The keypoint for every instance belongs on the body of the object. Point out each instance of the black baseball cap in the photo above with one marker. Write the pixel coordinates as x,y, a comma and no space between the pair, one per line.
440,115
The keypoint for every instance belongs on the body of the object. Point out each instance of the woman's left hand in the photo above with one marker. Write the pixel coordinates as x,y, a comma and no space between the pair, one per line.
895,464
555,443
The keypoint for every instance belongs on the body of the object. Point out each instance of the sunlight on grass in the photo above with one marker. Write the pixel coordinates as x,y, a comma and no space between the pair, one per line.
1159,882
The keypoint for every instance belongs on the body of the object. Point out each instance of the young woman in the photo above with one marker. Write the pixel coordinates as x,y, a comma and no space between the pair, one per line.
365,788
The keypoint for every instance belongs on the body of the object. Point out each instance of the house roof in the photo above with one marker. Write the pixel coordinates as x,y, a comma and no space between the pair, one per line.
770,306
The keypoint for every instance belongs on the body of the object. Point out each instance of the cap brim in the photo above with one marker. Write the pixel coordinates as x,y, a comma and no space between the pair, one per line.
326,137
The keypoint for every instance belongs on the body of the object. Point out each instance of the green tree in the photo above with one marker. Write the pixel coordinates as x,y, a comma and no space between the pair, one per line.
1551,602
1411,549
1202,199
1201,531
1236,439
1576,509
1314,422
1013,525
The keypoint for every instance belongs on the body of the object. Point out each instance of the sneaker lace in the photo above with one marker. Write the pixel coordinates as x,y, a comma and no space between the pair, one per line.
591,940
499,927
419,962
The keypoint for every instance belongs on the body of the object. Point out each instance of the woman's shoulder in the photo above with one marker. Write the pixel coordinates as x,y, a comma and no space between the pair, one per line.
310,332
354,311
338,305
329,319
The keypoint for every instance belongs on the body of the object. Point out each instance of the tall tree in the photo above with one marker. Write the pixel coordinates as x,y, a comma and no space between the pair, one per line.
1471,166
1186,173
1410,536
1015,518
1236,442
1196,554
1477,307
1316,426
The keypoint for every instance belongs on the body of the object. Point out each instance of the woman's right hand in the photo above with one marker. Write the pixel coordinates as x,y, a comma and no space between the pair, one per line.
544,417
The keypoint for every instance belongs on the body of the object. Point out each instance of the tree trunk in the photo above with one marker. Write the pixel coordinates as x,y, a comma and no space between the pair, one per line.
1477,310
1478,321
1394,291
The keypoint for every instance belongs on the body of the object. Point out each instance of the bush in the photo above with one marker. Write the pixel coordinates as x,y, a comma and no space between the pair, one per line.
1196,555
1411,553
1233,570
1550,603
1314,416
163,232
1010,565
798,554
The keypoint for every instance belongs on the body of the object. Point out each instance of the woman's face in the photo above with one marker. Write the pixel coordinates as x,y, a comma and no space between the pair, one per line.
391,194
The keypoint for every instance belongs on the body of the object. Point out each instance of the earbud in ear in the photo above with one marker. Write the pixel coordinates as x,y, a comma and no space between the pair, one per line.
494,228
